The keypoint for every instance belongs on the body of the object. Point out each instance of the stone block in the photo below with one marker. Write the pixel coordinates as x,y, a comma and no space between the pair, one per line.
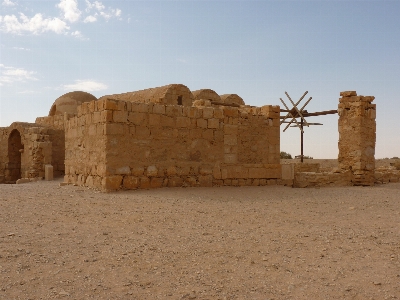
113,129
230,129
142,132
156,182
140,107
159,109
208,113
138,118
230,139
152,171
230,111
154,119
205,180
174,111
110,104
230,158
348,93
171,171
123,170
183,122
213,123
218,113
175,182
208,134
144,182
257,173
120,116
131,182
287,171
202,123
48,172
23,180
167,121
111,183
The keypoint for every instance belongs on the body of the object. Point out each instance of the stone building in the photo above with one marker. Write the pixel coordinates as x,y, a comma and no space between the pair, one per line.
170,136
165,136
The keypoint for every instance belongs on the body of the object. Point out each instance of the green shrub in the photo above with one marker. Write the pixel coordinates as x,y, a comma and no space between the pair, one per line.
285,155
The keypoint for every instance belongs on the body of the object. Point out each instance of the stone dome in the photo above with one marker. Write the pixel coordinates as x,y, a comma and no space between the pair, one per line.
206,94
69,102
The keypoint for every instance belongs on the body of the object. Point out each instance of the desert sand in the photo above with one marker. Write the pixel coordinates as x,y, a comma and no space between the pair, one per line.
270,242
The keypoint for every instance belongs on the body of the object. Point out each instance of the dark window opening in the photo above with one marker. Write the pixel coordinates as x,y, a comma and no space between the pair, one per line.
179,100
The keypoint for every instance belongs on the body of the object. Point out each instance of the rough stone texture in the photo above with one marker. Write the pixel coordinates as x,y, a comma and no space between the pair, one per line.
148,145
69,102
24,150
232,99
357,136
167,136
48,172
175,94
206,94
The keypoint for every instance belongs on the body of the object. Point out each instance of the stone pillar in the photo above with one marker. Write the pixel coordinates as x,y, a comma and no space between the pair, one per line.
357,136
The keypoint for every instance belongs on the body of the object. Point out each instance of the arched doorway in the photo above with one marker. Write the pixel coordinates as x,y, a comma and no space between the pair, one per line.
14,156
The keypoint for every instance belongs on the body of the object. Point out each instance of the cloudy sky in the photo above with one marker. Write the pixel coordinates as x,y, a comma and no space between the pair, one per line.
256,49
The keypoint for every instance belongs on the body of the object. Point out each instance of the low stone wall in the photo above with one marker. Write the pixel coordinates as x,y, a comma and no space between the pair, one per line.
387,175
319,179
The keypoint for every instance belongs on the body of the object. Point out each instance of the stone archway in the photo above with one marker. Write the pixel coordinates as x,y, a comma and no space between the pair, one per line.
14,156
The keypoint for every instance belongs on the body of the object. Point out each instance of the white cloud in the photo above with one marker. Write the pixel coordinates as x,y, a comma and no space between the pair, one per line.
85,85
117,12
8,3
78,35
37,24
20,24
95,5
21,48
101,10
9,75
70,9
90,19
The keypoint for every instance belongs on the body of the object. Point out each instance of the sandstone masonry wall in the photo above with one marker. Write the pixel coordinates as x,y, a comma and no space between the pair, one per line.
357,137
85,144
55,125
168,94
148,145
35,152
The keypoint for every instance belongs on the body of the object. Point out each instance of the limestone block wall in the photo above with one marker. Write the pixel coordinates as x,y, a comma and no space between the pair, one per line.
4,134
56,121
357,137
24,150
175,94
55,125
85,144
148,145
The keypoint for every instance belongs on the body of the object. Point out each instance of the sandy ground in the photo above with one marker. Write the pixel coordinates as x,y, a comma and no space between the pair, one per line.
269,242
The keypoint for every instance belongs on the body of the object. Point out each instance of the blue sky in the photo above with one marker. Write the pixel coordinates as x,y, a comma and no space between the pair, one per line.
256,49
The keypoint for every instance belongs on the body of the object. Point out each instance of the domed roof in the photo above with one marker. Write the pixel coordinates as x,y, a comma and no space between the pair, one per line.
206,94
69,102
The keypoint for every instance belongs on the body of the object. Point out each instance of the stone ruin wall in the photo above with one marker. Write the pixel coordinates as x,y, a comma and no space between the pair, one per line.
169,94
55,129
357,137
115,144
29,161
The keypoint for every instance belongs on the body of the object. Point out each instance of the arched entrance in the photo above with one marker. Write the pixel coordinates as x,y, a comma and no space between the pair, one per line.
14,156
